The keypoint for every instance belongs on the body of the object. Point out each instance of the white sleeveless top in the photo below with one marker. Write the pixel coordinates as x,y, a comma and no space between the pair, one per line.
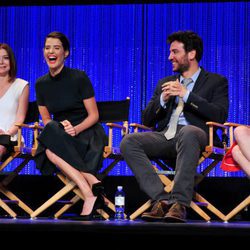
9,104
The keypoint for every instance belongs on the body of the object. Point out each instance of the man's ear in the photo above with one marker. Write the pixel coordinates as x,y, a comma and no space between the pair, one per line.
192,54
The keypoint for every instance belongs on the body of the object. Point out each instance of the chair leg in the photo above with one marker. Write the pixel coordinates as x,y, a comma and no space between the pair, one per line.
13,197
237,209
110,204
8,160
168,187
15,172
79,195
140,210
70,186
73,201
3,184
7,209
105,172
100,211
209,206
199,211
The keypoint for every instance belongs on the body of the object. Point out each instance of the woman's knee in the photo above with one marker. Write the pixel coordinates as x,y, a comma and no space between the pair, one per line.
51,155
235,152
241,133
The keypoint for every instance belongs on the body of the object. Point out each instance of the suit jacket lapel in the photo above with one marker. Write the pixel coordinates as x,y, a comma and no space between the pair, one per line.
200,80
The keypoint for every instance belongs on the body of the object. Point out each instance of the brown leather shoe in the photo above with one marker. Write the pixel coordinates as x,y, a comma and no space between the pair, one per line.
157,212
176,213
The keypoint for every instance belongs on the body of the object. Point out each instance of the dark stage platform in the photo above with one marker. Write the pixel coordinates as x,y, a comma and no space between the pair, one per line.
128,232
225,193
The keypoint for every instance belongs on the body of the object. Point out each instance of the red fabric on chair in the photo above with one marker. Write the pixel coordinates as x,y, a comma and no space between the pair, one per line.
228,163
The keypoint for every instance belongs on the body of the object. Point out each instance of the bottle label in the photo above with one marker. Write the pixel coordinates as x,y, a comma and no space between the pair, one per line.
119,201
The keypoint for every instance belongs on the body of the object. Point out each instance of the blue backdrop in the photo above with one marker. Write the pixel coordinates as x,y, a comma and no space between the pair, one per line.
123,48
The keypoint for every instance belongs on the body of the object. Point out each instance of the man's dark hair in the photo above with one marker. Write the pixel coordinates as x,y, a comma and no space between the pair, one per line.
191,41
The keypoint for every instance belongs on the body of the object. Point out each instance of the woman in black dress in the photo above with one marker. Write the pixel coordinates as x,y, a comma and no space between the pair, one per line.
72,139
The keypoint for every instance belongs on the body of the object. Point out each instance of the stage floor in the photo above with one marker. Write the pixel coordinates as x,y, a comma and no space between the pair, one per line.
127,231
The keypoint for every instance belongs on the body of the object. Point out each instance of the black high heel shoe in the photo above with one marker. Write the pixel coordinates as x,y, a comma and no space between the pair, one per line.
99,204
98,189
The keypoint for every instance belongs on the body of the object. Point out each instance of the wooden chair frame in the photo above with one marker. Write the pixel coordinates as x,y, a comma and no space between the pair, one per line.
231,126
110,119
111,151
20,152
211,152
68,187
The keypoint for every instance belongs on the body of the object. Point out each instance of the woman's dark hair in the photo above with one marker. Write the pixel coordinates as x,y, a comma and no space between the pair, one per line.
191,41
13,66
64,40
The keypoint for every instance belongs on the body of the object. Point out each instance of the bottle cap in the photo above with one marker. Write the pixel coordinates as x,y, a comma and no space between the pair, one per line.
119,188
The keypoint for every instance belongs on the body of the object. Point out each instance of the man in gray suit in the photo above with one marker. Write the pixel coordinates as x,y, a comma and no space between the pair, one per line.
204,98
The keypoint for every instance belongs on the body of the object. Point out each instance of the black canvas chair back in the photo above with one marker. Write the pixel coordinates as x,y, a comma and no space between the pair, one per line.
113,111
114,115
32,113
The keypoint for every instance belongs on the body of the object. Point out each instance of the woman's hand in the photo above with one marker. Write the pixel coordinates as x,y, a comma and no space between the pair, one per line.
68,128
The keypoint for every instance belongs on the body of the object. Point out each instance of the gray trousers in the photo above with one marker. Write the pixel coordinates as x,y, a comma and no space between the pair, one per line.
186,147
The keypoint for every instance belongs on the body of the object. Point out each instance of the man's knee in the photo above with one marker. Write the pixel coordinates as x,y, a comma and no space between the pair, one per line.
191,134
127,142
190,131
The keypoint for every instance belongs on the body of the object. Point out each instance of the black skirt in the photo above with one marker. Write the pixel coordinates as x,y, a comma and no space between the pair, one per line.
83,152
8,144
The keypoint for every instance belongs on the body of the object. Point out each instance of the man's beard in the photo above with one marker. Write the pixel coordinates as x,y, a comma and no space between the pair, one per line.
183,67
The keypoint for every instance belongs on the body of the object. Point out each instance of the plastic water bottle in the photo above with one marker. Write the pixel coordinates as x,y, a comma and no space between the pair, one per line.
119,203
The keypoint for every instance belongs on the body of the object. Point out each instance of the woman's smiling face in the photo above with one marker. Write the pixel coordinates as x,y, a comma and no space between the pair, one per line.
54,55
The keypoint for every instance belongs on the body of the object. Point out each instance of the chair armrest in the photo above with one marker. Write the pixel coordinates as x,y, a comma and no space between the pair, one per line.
111,126
115,125
216,124
137,126
231,126
123,128
30,126
35,127
211,126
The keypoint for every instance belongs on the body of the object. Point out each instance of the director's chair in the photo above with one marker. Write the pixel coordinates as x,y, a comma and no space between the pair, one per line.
113,115
243,204
212,152
25,154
